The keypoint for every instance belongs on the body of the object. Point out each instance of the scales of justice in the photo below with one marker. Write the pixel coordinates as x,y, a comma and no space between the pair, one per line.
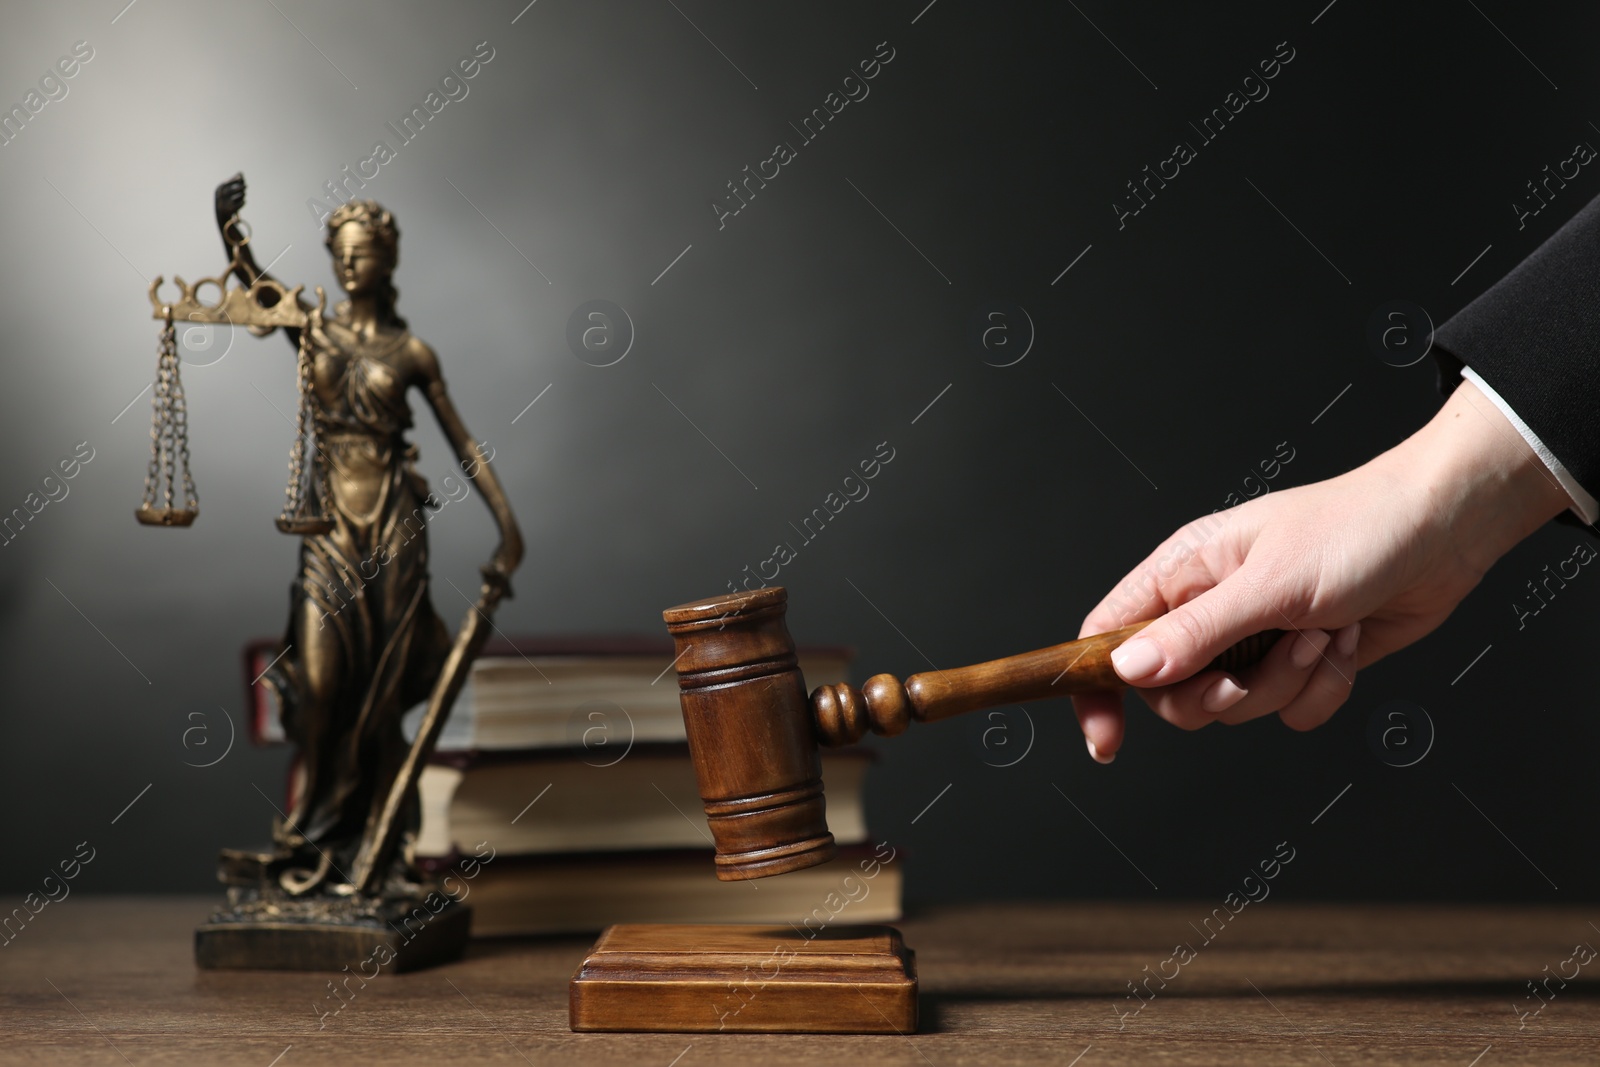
363,643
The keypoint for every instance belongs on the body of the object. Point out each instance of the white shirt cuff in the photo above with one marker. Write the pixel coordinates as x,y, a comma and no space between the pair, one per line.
1583,504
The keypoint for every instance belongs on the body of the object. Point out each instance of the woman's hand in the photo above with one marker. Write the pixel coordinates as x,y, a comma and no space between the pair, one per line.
320,340
508,555
229,200
1355,567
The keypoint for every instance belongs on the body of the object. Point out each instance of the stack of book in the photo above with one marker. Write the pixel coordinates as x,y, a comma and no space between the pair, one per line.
564,760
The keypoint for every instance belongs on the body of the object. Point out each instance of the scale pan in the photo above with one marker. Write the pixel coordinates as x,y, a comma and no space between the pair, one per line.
153,516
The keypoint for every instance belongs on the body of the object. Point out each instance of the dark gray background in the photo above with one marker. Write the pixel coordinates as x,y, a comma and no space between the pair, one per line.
797,338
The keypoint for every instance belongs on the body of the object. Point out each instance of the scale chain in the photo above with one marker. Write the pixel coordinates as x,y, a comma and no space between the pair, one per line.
168,458
292,493
169,441
180,432
152,478
297,517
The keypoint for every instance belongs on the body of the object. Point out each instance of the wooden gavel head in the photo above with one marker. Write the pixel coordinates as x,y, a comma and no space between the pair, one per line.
753,735
750,734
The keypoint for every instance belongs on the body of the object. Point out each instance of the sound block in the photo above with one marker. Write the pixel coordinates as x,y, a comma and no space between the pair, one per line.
328,934
746,979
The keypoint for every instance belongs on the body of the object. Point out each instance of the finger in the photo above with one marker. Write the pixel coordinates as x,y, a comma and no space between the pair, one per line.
1217,696
1100,717
1183,704
1172,574
1191,635
1277,679
1329,685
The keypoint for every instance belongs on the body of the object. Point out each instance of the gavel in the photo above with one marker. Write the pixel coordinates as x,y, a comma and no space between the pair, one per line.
753,734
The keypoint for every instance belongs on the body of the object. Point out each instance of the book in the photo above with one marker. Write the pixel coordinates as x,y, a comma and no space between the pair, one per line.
556,801
516,895
561,798
549,692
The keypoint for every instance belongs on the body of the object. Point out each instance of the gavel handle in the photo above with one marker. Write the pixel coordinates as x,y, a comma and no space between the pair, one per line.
886,706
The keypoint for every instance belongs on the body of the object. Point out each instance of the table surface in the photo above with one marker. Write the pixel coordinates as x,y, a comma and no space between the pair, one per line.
112,980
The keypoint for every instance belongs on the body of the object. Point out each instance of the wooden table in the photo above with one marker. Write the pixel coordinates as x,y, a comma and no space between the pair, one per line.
111,981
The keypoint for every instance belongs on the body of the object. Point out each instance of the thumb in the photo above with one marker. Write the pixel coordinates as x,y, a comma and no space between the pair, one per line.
1184,641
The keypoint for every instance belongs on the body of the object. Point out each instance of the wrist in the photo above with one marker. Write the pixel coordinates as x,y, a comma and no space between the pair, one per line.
1479,478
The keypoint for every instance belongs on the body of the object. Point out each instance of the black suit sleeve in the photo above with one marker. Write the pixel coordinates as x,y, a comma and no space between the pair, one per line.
1534,336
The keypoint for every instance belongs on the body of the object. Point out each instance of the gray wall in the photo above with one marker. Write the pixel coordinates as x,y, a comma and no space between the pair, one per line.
806,330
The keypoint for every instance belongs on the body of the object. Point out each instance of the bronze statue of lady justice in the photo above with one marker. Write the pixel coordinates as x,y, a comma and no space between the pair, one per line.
363,643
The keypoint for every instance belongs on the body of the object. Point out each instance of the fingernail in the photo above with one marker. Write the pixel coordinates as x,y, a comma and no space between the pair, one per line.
1222,695
1347,640
1307,648
1094,753
1138,659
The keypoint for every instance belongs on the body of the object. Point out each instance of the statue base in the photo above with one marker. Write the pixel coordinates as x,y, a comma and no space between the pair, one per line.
263,927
